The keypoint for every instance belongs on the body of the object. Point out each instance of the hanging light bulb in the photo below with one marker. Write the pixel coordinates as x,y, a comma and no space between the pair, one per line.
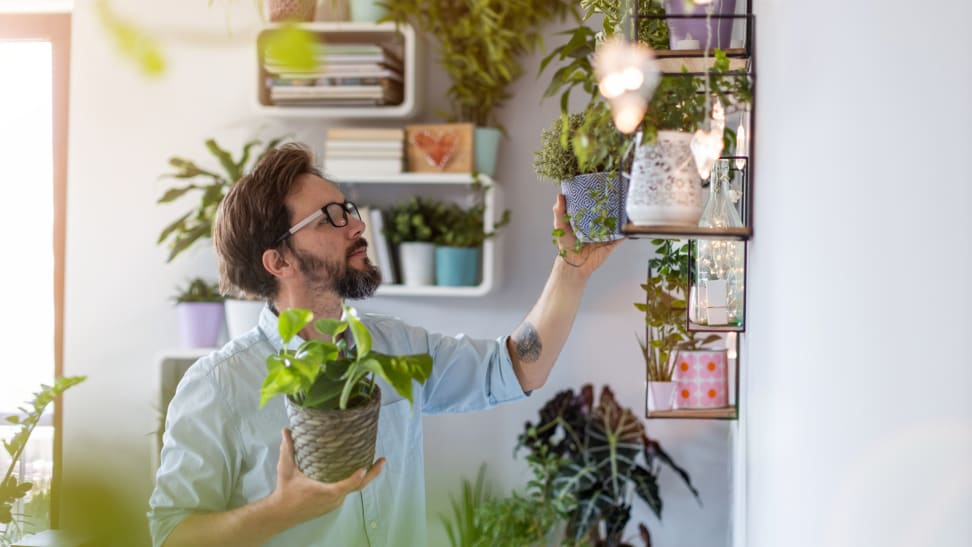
742,145
626,76
706,146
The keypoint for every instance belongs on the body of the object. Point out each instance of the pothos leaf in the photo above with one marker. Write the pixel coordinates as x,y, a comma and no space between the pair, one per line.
293,321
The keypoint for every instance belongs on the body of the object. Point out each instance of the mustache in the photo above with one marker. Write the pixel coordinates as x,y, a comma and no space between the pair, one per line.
359,244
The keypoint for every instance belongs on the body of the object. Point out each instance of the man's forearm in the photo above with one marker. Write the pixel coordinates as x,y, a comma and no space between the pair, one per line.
536,343
252,524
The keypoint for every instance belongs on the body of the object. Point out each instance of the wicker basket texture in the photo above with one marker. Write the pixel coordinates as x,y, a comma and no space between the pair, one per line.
331,444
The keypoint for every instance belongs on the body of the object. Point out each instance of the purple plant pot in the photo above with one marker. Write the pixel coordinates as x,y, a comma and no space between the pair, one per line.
200,323
679,29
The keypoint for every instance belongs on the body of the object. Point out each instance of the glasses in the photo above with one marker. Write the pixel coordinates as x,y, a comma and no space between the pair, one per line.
334,213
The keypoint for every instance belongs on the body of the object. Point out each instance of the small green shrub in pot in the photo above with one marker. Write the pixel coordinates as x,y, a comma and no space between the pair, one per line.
332,396
587,166
413,220
200,308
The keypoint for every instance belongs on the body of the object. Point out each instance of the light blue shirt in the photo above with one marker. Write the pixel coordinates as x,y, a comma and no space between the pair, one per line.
220,449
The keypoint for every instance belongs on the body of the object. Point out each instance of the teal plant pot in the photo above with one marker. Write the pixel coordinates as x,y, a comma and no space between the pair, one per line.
486,142
585,205
457,266
366,11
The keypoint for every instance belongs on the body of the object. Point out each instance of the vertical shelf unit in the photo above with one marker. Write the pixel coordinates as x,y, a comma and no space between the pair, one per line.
693,63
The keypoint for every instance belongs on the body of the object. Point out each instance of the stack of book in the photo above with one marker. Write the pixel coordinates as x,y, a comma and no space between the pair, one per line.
343,75
351,151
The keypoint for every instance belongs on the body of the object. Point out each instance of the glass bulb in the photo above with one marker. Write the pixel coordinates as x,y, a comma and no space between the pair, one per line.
742,146
719,264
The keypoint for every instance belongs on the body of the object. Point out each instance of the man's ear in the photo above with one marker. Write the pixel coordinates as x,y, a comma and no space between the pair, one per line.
277,264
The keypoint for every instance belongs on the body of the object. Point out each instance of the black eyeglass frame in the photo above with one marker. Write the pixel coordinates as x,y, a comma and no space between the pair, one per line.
346,207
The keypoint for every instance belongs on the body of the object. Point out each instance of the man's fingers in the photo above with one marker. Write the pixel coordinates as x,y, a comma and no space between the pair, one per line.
372,473
286,445
559,210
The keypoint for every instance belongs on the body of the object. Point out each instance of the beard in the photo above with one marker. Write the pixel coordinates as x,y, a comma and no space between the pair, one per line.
338,276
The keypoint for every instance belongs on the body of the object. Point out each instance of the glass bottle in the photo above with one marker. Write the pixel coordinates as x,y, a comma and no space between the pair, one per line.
719,275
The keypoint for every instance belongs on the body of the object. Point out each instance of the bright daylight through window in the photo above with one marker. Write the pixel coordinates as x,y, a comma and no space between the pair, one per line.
26,220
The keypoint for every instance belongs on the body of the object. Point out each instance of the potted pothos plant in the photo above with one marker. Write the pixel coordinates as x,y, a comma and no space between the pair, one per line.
459,243
199,306
481,44
608,459
665,308
331,393
587,166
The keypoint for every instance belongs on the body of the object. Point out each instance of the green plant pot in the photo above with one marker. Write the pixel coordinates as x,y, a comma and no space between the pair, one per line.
366,11
457,266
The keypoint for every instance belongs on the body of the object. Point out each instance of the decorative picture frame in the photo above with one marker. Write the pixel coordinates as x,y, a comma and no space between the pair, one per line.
439,148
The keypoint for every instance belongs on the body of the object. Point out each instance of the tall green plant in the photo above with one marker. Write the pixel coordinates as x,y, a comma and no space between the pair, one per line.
665,310
610,459
12,488
461,525
212,186
481,43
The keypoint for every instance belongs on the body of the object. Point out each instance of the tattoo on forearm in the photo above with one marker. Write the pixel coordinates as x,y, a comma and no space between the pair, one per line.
526,343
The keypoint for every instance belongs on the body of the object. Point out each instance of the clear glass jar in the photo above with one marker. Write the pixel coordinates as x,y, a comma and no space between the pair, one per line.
719,264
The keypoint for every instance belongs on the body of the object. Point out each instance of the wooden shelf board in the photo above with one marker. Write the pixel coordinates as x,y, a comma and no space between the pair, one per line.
673,60
726,413
686,232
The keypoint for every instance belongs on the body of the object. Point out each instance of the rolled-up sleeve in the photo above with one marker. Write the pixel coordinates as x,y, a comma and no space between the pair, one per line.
468,374
197,470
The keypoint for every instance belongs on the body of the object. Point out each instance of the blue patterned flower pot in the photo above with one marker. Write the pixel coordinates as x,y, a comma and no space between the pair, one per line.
585,205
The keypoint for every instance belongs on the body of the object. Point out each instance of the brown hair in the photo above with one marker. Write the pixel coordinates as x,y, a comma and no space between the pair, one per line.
252,217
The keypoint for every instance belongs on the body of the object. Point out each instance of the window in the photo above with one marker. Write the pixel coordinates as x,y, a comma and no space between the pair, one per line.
33,164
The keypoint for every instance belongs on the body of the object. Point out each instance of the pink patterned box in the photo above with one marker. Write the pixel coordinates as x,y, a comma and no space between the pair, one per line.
703,379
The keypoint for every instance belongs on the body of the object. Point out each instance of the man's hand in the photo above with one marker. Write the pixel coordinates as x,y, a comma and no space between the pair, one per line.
303,498
591,255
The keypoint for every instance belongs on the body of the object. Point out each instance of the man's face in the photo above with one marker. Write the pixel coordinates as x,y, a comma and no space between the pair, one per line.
330,258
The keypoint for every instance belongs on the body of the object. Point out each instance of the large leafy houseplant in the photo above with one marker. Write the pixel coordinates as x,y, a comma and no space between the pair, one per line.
481,43
609,460
330,374
12,487
212,185
331,393
666,309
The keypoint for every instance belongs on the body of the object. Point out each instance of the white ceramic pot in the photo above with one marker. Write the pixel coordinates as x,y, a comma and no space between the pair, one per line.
661,395
665,188
417,260
241,315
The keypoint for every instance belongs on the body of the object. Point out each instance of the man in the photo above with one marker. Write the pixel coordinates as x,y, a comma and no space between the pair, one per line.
289,236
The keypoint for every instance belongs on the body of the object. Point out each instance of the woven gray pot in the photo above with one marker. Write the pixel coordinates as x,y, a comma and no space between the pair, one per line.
331,444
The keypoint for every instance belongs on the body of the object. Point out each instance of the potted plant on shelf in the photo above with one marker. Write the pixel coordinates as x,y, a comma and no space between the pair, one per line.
481,44
587,167
413,229
199,306
459,243
609,459
211,185
332,397
665,310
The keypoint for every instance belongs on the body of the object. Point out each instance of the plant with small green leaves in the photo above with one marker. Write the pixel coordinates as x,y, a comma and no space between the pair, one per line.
595,146
198,290
463,227
665,310
213,186
12,488
481,43
328,374
413,220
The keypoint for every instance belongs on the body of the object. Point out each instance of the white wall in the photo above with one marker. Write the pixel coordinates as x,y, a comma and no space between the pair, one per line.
120,319
860,420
